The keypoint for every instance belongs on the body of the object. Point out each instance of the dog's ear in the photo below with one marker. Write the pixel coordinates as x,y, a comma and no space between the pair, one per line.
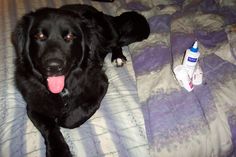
20,35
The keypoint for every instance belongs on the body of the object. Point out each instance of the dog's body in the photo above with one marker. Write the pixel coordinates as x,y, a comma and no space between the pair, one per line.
60,54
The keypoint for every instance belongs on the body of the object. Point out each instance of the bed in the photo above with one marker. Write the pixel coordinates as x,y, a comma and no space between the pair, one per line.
145,112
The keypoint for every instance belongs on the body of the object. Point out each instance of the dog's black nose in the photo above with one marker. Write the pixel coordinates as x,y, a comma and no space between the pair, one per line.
54,65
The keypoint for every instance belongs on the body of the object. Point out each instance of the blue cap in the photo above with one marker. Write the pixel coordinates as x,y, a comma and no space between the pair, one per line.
195,47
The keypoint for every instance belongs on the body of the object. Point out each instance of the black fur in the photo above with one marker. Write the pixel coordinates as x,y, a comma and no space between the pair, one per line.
71,41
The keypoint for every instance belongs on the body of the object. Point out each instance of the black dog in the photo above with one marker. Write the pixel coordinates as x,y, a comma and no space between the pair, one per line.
60,53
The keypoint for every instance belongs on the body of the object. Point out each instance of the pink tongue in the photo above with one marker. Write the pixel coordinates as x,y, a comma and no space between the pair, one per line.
56,83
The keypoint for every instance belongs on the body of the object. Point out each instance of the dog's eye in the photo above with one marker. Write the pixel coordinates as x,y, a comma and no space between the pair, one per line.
40,36
69,37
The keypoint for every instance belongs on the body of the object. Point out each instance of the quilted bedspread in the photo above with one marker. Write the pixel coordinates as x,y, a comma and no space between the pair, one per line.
145,112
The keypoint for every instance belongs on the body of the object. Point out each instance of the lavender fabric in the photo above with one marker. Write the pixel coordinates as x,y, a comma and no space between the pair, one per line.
180,123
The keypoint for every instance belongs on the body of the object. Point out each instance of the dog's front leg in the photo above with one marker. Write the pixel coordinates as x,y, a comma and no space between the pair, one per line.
54,140
77,116
117,57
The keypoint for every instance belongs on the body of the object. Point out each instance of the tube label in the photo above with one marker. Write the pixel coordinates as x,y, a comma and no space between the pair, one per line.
190,59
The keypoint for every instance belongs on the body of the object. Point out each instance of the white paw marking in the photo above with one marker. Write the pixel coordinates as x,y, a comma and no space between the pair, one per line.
118,62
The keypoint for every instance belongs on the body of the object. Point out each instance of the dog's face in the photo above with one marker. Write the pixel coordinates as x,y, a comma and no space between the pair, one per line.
52,41
54,44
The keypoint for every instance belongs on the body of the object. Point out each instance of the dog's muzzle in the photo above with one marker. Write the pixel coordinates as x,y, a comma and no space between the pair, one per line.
54,69
54,66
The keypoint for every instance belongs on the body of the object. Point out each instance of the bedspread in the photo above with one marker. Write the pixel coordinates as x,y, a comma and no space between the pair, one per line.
181,123
145,112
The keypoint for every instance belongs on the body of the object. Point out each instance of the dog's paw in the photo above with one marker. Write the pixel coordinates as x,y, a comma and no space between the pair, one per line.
58,151
59,154
118,62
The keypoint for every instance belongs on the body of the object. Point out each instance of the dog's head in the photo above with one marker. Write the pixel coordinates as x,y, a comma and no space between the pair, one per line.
50,43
